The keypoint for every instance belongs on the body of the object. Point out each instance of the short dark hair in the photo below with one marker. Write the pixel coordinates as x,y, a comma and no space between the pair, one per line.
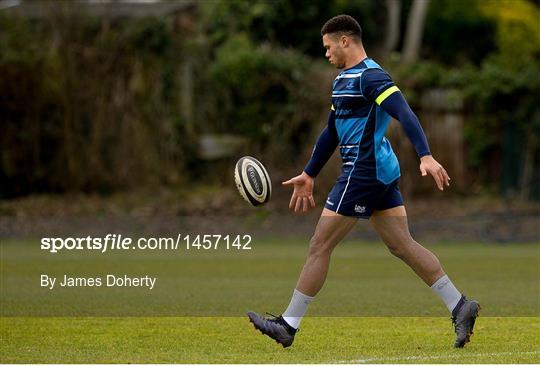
344,24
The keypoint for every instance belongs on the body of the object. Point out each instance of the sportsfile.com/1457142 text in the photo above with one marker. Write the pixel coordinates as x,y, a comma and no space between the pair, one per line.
120,242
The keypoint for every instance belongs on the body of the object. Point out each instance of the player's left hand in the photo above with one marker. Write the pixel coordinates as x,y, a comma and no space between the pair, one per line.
431,166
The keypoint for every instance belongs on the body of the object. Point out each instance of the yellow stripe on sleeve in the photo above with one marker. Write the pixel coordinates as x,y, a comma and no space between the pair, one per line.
332,108
385,94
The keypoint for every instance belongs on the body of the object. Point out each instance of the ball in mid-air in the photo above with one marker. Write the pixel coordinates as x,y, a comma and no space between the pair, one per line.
252,181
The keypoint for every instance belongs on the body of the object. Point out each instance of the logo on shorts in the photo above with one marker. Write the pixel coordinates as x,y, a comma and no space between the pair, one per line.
359,209
330,203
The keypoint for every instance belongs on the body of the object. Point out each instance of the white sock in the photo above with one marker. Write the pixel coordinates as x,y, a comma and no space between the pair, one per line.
297,308
447,292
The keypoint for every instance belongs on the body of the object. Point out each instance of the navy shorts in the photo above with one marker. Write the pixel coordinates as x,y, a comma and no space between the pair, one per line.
359,197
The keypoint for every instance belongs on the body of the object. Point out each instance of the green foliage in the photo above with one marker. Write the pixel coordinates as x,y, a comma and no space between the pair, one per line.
261,82
257,81
506,112
494,94
457,32
500,92
96,104
265,93
506,86
84,104
294,24
149,36
518,28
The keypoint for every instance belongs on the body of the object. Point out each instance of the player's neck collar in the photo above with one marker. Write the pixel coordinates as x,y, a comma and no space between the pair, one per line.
357,65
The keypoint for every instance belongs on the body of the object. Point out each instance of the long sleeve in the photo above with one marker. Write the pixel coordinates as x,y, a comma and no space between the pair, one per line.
324,147
379,87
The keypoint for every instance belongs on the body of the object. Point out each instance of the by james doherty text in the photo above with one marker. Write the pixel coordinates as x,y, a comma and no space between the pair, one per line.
109,280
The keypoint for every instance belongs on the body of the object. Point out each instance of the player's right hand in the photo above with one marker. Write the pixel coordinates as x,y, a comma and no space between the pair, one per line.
302,196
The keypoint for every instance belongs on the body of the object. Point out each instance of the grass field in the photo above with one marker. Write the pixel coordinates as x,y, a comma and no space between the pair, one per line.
372,309
233,340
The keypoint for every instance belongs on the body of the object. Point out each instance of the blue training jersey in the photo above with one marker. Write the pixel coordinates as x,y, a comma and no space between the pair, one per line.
361,123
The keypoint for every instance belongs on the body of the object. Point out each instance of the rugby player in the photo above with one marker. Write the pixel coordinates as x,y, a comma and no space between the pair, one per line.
364,99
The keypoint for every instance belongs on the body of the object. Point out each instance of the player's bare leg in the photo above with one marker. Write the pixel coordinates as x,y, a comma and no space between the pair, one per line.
392,227
330,230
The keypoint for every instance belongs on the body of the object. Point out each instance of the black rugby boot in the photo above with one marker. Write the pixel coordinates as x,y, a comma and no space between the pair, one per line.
275,327
463,317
